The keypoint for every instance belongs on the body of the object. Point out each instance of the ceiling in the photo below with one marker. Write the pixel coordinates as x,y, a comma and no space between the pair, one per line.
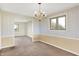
28,9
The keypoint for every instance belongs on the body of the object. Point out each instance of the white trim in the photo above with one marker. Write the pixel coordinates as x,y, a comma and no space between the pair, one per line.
73,38
60,47
7,46
7,36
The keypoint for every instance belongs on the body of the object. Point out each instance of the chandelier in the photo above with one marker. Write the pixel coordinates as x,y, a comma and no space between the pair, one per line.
39,14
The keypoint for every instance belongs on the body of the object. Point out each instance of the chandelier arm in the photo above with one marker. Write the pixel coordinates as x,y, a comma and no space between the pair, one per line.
39,15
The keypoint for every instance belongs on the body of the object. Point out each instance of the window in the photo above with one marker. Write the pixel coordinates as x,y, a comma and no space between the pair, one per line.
58,23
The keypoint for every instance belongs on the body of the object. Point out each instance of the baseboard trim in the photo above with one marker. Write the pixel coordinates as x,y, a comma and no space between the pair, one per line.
59,47
7,47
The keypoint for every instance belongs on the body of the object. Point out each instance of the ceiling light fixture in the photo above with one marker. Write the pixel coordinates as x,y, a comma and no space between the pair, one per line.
39,14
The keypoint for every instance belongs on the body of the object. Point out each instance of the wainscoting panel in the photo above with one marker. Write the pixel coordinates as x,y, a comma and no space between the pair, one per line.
7,42
70,45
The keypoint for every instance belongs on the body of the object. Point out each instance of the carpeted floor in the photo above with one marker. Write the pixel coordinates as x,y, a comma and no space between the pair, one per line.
25,47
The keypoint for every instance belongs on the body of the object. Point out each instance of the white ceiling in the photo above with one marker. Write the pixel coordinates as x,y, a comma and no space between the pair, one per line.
28,9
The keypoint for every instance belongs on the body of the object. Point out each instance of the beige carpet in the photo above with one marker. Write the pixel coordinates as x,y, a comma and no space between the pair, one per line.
25,47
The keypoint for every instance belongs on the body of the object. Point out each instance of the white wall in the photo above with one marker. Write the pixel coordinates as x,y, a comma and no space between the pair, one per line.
21,29
8,21
0,29
36,27
28,29
7,24
7,32
72,25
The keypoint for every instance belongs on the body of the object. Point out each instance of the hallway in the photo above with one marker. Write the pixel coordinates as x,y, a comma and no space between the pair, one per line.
25,47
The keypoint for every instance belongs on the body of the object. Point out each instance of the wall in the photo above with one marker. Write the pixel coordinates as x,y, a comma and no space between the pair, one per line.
7,29
0,29
64,39
28,29
36,27
72,29
21,29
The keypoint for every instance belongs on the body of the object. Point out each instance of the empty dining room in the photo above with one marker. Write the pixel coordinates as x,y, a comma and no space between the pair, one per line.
39,29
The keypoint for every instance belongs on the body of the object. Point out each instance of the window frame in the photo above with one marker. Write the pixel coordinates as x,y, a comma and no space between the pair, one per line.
57,22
